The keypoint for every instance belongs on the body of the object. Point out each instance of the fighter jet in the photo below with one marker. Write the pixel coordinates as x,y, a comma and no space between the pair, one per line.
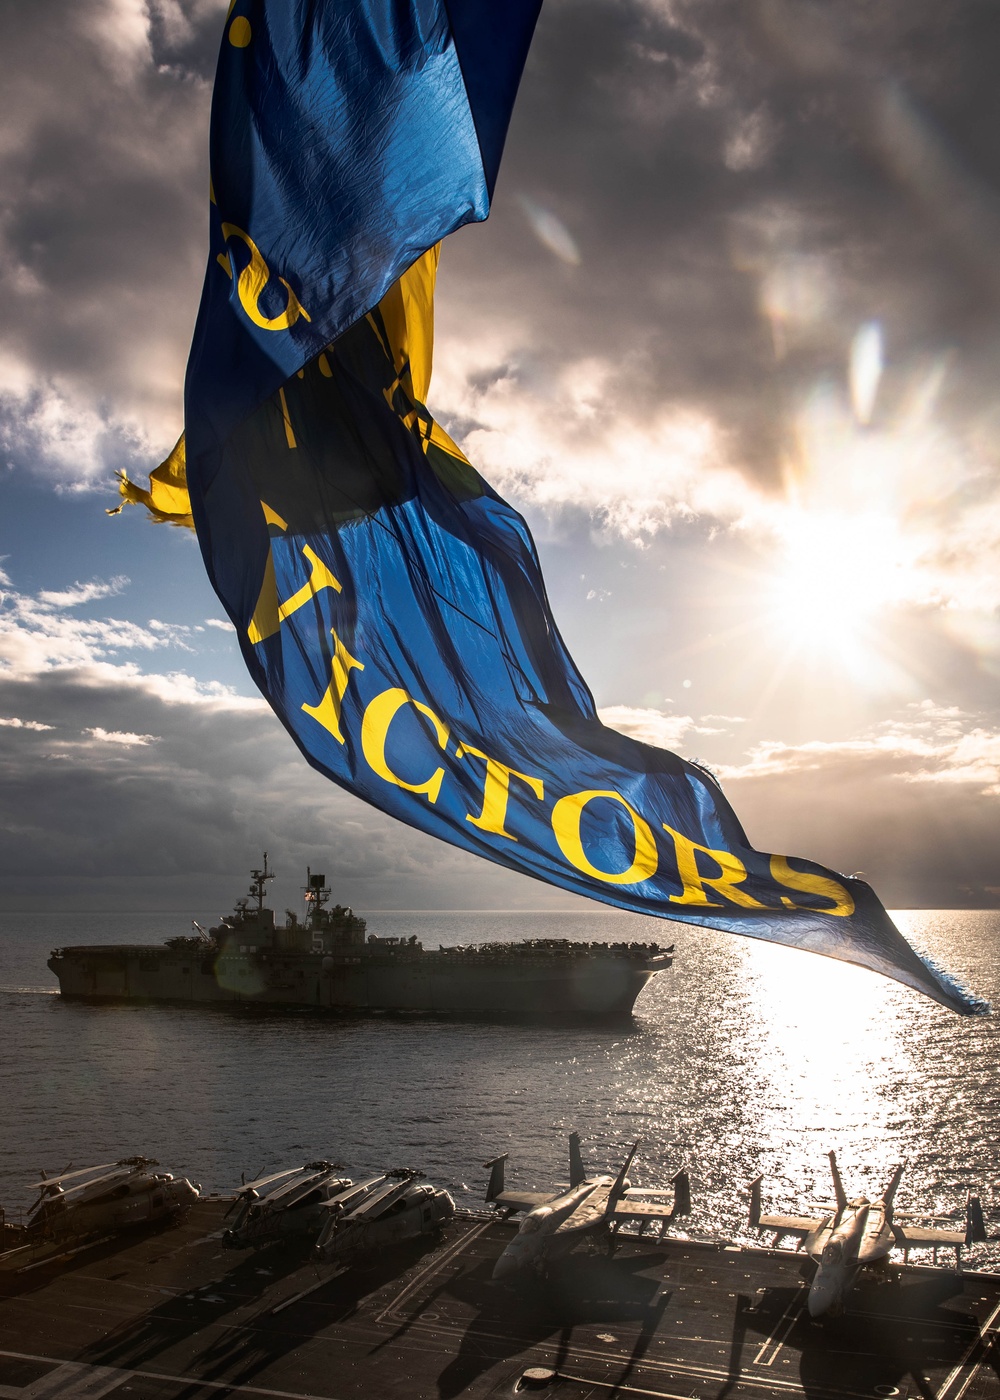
385,1210
285,1205
592,1207
105,1199
859,1234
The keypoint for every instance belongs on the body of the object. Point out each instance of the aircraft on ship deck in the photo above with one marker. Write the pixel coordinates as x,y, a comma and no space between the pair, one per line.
597,1206
383,1211
284,1205
105,1199
860,1233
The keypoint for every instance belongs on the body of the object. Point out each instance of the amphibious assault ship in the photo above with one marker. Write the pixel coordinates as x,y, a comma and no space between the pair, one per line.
328,960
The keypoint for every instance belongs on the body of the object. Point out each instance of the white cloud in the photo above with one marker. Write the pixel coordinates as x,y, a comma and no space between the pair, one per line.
221,624
927,743
36,637
58,432
564,444
24,724
83,592
171,633
648,726
120,736
663,731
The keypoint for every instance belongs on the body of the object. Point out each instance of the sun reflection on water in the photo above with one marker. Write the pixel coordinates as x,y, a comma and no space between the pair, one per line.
832,1045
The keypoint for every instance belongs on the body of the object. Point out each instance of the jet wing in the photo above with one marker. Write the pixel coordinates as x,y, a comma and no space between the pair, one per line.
525,1200
920,1237
643,1210
791,1224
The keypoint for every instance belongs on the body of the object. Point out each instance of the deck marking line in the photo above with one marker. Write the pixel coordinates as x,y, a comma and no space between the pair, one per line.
196,1381
984,1328
432,1267
61,1258
708,1373
75,1378
625,1389
791,1315
304,1293
973,1372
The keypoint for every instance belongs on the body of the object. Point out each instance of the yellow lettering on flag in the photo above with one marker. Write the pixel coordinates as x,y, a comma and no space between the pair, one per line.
328,711
567,815
375,732
251,283
807,883
496,791
731,874
269,614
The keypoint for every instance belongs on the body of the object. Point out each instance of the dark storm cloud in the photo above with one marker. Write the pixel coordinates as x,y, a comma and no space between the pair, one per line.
701,203
721,167
103,180
701,159
109,777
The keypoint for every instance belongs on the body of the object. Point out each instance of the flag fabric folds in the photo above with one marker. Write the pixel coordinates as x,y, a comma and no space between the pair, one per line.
388,602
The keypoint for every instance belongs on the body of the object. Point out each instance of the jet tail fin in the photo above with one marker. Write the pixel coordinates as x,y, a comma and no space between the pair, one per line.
838,1185
495,1188
576,1171
755,1201
681,1183
618,1190
888,1195
975,1225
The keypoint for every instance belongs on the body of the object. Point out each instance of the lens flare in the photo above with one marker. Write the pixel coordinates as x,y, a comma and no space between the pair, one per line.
866,364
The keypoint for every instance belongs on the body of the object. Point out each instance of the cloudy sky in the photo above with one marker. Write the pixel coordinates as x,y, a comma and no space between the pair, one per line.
730,340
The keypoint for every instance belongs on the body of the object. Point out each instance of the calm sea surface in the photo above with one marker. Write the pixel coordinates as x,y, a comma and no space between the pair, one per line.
744,1058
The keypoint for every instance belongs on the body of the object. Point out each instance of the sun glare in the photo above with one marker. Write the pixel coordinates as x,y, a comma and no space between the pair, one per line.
835,575
859,534
831,1068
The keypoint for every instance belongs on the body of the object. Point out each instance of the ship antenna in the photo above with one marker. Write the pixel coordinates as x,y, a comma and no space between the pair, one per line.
316,894
258,881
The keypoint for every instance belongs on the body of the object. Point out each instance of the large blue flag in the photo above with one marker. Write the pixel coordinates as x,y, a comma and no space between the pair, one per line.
388,603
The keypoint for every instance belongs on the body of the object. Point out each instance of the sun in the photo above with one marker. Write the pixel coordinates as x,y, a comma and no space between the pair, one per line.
835,576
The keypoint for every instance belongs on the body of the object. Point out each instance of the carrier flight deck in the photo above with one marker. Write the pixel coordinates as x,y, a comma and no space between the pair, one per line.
173,1315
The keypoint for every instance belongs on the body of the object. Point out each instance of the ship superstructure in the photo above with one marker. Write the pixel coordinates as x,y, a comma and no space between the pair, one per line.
328,960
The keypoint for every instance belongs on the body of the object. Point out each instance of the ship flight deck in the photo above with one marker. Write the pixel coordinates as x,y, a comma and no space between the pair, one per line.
173,1315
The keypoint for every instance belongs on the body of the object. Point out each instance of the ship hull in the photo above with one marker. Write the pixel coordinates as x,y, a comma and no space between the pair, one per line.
601,984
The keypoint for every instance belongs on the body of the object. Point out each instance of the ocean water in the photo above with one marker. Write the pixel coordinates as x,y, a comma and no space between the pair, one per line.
744,1058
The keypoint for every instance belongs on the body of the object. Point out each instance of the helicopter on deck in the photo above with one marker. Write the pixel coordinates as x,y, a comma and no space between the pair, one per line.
78,1204
285,1205
383,1211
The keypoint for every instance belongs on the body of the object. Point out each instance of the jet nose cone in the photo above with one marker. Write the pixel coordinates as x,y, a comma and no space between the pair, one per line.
820,1301
504,1268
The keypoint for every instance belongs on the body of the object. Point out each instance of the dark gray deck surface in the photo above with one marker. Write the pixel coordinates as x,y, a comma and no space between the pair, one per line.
173,1316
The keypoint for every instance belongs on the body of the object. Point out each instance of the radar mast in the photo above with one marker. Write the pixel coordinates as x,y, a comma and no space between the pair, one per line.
316,895
258,882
